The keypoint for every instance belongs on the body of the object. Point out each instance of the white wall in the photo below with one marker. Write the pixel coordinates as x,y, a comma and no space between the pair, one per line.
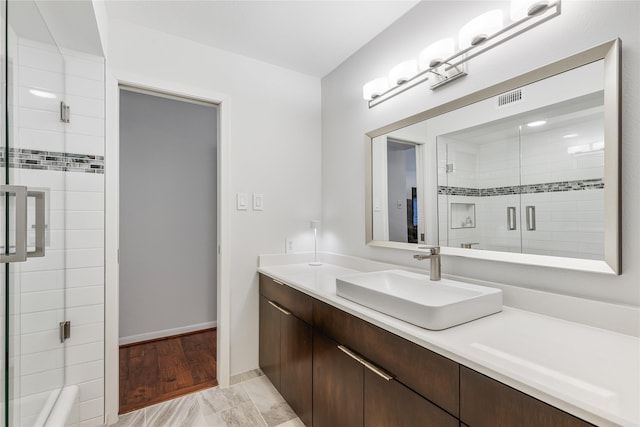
346,118
274,128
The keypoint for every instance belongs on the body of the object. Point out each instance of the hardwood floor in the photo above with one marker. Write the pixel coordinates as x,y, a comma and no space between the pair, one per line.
158,370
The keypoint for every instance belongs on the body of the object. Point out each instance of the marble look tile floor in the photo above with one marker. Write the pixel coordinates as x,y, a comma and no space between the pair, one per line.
251,403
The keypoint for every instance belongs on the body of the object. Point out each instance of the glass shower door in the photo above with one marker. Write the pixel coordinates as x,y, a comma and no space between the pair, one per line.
478,193
32,216
563,181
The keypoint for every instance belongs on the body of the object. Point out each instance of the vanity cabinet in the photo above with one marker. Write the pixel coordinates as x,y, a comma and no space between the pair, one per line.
348,390
285,354
335,369
485,402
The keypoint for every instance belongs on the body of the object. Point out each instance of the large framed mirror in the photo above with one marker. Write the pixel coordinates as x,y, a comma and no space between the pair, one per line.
526,171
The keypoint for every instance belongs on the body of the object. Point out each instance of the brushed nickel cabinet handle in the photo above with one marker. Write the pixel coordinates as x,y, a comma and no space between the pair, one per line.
350,353
280,308
379,372
373,368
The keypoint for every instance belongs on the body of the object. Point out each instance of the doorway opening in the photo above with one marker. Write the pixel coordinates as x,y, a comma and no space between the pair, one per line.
167,246
402,191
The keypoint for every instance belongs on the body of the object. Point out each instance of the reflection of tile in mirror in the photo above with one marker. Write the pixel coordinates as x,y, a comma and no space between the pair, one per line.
463,215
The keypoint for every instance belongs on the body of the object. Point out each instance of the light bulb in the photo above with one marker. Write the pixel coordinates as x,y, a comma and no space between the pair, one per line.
434,54
375,88
403,72
480,29
522,8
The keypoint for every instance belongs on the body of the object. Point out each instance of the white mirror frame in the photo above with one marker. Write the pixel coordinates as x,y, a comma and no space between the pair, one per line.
608,52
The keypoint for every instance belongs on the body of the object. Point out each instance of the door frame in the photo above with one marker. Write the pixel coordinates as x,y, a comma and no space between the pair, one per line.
115,78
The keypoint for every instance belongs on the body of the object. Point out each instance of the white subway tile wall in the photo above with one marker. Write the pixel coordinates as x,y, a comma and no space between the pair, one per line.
68,283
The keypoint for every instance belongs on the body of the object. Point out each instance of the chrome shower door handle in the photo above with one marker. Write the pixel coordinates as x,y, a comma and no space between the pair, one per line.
511,218
531,218
40,223
20,254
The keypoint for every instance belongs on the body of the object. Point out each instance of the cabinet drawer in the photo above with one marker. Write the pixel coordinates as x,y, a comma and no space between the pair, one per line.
487,402
433,376
298,303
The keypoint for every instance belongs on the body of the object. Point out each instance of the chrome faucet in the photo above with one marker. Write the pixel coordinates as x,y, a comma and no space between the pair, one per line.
434,255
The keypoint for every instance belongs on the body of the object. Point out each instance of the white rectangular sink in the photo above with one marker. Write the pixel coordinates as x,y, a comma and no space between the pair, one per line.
415,299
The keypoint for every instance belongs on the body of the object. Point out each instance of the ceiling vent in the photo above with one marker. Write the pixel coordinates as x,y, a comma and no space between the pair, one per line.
512,97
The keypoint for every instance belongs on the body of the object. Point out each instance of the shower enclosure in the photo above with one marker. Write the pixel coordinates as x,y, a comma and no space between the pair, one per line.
51,221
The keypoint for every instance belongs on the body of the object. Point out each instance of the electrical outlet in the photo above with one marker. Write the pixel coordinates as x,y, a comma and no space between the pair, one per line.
289,246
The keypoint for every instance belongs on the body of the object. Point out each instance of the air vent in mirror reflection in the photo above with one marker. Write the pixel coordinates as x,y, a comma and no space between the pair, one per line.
510,97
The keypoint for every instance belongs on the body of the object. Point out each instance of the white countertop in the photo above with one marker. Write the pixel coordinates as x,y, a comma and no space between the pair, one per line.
591,373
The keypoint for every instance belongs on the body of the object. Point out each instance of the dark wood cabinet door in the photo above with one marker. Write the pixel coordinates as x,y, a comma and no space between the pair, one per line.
486,402
338,382
389,403
427,373
296,366
269,341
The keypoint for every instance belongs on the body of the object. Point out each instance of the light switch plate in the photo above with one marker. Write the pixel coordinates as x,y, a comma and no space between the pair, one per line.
258,202
290,246
242,201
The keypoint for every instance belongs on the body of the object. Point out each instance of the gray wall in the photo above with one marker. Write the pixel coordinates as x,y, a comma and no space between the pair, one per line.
346,118
167,214
401,162
396,174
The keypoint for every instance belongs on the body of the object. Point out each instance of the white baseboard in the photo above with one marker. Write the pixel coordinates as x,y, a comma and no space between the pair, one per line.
167,332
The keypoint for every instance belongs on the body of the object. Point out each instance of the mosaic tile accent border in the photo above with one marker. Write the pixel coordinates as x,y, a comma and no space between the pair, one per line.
53,161
549,187
458,191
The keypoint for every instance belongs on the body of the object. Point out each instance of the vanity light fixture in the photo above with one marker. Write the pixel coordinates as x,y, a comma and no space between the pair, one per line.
433,60
480,28
315,224
403,72
570,135
375,88
442,63
537,123
523,8
435,54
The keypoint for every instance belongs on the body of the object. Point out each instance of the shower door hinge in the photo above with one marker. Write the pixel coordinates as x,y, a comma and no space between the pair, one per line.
65,330
449,168
65,112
